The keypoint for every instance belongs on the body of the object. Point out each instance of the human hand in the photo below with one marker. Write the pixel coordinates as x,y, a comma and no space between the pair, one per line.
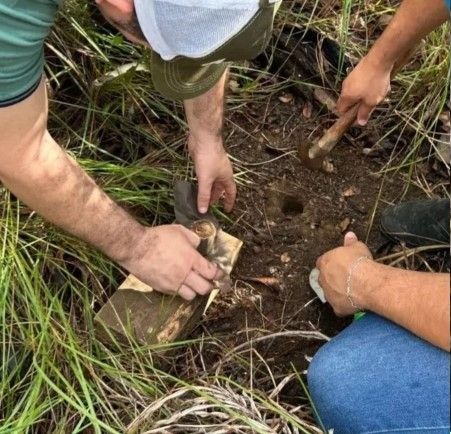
214,173
166,259
334,268
366,85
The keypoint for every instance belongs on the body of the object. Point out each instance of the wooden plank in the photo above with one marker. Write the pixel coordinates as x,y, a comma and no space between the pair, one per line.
136,311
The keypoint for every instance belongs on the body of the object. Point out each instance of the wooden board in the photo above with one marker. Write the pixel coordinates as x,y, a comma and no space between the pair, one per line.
137,312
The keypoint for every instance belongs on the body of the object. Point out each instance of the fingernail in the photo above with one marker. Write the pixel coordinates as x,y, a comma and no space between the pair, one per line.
350,234
361,122
203,209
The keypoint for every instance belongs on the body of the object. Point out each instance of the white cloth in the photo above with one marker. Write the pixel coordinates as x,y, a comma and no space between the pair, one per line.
192,28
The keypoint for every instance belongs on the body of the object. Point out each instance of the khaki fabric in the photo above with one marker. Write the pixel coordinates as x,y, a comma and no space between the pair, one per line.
184,78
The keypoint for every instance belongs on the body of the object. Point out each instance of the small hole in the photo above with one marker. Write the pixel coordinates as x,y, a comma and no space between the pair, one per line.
291,205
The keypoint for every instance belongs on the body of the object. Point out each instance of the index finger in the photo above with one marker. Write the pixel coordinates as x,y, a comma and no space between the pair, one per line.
364,114
204,195
319,261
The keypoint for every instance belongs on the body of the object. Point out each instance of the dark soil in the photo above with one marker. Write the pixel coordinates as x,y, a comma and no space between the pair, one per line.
287,218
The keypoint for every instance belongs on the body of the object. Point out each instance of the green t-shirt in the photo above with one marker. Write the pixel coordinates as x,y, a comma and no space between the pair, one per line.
24,25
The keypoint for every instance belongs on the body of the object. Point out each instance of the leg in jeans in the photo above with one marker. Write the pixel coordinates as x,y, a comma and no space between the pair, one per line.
376,377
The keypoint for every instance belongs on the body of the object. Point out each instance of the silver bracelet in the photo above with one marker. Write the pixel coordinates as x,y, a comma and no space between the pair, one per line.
354,265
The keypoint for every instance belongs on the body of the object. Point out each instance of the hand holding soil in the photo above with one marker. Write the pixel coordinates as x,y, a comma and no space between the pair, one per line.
167,260
335,268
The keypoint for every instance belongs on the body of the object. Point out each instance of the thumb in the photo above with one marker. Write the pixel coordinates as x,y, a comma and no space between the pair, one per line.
364,114
203,196
193,238
350,239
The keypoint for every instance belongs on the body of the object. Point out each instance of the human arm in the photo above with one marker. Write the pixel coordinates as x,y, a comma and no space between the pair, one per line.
205,115
41,174
415,300
369,82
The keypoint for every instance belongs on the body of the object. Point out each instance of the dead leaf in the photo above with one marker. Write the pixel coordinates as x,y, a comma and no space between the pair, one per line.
351,191
443,149
384,20
328,167
286,98
234,86
324,98
307,110
358,22
271,282
120,71
285,258
445,118
344,224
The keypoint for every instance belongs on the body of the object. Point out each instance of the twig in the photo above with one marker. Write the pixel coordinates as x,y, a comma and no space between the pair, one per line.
413,251
280,386
261,163
285,334
144,415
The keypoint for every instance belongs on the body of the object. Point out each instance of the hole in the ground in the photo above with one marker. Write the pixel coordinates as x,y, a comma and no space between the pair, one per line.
292,205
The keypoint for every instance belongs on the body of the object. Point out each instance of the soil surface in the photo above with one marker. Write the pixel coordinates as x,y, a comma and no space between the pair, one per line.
287,217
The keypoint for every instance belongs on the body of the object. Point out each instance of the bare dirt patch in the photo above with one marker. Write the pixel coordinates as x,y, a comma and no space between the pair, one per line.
288,217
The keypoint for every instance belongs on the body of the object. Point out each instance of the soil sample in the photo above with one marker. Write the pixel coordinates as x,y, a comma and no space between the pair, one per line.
136,312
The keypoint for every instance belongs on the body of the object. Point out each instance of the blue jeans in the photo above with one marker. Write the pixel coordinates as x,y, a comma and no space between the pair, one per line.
376,377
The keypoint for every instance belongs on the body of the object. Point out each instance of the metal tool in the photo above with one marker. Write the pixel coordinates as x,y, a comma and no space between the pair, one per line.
214,246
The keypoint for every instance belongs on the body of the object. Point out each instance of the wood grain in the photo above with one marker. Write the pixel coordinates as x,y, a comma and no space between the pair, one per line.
137,312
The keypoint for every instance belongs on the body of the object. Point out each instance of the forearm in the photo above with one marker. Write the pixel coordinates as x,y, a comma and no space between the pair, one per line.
57,188
412,22
41,174
205,114
415,300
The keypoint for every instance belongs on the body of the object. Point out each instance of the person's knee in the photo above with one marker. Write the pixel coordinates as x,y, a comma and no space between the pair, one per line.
375,376
334,385
327,372
319,370
341,364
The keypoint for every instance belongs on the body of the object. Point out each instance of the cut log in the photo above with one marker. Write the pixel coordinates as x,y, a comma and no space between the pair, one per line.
137,312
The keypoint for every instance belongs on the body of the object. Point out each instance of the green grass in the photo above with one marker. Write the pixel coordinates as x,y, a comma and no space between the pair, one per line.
55,377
